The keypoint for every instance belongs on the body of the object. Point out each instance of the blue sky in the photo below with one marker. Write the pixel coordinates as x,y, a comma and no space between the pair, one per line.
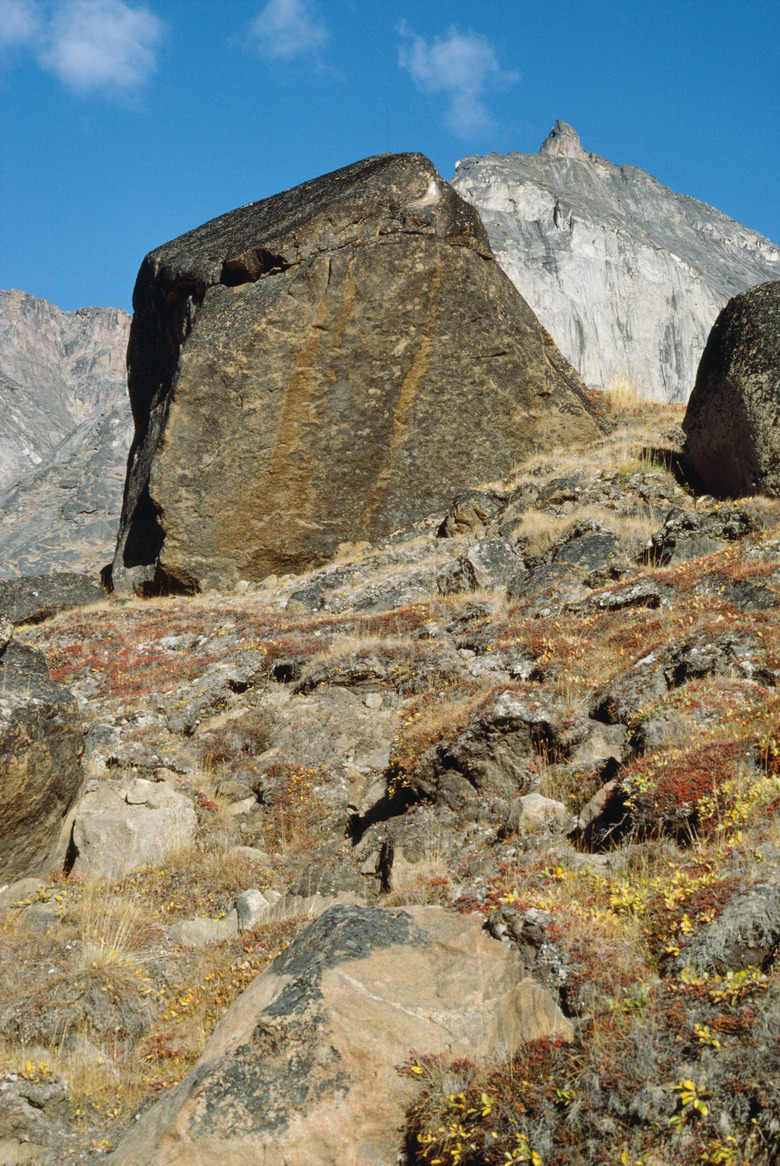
125,123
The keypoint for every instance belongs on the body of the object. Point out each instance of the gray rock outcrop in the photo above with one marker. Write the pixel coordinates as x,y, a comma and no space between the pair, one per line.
121,827
34,598
627,275
304,1066
732,423
325,365
41,744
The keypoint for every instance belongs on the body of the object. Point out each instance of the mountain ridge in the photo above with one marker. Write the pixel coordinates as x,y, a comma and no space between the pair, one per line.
615,265
65,428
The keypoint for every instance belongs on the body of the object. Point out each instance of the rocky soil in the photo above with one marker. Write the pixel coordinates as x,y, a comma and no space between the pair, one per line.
549,707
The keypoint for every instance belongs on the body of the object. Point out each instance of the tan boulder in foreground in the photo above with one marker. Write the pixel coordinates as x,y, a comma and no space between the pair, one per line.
303,1067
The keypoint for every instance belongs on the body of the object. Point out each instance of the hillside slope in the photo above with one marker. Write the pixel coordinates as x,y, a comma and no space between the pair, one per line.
551,705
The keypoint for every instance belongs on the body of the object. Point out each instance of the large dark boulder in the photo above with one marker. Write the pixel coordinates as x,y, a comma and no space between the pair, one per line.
733,419
326,365
41,743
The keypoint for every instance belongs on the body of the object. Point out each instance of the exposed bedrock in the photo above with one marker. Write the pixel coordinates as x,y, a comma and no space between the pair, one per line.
326,365
304,1067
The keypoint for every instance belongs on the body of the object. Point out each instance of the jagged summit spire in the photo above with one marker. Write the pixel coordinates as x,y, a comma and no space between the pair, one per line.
563,141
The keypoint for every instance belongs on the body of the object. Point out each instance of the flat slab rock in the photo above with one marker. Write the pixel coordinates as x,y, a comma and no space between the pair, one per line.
34,598
303,1067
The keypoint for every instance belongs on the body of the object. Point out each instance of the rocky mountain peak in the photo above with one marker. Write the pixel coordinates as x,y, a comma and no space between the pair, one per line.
563,141
627,275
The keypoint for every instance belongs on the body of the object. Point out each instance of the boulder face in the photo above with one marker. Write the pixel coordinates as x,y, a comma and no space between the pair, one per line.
41,744
303,1068
326,365
627,275
121,827
732,423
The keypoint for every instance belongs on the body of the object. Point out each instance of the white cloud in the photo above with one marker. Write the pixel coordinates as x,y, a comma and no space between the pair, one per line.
289,28
19,23
461,65
101,44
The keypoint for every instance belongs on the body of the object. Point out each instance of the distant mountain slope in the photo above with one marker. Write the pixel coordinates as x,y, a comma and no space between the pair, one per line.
627,275
65,429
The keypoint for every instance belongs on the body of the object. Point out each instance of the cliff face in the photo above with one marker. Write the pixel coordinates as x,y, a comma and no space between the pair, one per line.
57,370
627,275
65,428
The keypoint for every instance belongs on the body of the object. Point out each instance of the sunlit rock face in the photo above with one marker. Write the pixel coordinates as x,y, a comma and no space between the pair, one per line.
627,275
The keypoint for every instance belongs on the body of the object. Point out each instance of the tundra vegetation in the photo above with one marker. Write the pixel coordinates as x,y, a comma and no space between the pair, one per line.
276,713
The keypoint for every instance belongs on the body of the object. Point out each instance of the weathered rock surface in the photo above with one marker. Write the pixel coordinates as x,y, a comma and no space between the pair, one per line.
303,1067
33,1115
746,934
300,371
689,534
627,275
41,744
733,418
489,563
65,428
122,826
650,678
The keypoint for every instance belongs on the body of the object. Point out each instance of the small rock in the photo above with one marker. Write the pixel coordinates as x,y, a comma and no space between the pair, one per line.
197,932
535,812
6,632
252,907
244,806
601,819
249,853
20,894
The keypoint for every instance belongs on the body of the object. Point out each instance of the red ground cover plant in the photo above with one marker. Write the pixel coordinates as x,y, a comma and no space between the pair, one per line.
664,793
